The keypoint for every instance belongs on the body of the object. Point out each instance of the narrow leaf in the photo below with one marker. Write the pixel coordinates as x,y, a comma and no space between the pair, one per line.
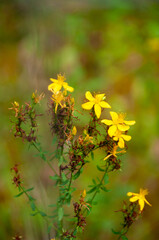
60,213
18,195
100,169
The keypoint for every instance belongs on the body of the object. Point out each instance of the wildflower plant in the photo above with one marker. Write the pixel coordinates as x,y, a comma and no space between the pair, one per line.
72,152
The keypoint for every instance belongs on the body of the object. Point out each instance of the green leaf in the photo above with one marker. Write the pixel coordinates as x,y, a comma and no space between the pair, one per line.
93,180
60,213
42,214
92,155
18,195
92,190
30,189
34,214
63,176
77,174
100,169
106,179
42,155
104,189
49,228
124,237
60,161
32,205
115,232
55,177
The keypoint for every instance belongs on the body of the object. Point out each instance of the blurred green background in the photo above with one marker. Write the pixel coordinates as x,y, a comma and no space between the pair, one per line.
106,46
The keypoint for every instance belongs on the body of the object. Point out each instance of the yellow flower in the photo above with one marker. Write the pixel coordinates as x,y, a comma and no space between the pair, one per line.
113,152
120,137
58,84
16,104
87,137
97,102
140,197
74,131
37,98
117,123
58,98
84,193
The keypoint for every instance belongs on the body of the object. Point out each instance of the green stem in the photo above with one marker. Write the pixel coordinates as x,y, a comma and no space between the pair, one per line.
48,162
99,185
60,194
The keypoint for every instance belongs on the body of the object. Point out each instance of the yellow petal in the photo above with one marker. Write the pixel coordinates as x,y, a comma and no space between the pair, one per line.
134,199
129,122
107,122
126,137
114,115
148,202
141,203
87,105
123,127
74,130
54,80
107,157
129,194
112,130
70,89
97,110
121,143
84,193
100,97
54,87
115,138
89,96
104,104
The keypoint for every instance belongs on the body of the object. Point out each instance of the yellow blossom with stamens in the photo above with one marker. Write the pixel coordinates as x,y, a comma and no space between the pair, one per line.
58,83
117,123
58,98
120,137
74,131
140,197
114,152
97,101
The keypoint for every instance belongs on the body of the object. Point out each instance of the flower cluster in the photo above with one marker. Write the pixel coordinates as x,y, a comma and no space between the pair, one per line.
118,126
61,109
26,115
73,147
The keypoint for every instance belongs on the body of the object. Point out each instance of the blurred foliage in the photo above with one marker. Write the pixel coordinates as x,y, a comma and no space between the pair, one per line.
107,46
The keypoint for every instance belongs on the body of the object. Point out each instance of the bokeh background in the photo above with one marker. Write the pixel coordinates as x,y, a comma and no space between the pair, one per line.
106,46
